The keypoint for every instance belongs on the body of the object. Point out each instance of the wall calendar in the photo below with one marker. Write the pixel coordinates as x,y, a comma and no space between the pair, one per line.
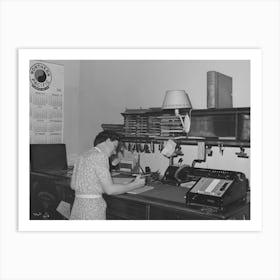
46,102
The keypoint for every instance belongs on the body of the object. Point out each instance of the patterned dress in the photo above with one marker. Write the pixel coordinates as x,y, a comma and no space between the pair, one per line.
86,181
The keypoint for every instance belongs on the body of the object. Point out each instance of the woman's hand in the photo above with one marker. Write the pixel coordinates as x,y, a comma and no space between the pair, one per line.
139,182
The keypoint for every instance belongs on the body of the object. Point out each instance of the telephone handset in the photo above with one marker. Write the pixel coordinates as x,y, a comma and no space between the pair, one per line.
169,174
181,173
176,174
185,173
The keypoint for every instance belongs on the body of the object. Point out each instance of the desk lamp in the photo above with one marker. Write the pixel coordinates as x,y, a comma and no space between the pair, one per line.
178,99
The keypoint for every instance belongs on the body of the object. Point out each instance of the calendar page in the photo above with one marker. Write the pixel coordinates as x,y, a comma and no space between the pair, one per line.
46,102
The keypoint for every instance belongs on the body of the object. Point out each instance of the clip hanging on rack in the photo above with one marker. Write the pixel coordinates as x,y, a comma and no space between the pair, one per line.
201,153
221,148
242,153
209,151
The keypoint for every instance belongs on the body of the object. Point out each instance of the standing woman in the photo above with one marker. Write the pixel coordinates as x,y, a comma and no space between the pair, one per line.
91,178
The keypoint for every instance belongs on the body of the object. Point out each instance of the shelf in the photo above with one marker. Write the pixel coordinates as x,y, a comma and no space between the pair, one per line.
229,127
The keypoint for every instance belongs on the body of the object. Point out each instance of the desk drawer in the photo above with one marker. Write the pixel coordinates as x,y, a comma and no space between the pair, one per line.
161,213
243,214
124,209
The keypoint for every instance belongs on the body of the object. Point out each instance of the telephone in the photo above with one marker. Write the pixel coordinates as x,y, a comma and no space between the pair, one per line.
169,175
175,175
185,173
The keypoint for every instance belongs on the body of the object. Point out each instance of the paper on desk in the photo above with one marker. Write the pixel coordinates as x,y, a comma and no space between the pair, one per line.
141,190
64,209
187,184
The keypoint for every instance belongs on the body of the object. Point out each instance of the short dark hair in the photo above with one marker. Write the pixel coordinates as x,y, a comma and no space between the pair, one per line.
106,134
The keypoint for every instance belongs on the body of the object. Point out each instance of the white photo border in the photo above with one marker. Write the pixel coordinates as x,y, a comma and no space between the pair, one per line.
255,58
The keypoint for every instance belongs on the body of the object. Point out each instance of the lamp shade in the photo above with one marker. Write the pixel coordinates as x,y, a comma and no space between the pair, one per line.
176,99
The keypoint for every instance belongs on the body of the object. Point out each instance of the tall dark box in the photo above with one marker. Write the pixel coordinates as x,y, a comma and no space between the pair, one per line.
219,90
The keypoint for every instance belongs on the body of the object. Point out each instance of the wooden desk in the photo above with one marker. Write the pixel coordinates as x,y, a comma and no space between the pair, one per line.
164,202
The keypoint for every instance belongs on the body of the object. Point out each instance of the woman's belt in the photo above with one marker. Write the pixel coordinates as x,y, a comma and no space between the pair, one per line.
88,195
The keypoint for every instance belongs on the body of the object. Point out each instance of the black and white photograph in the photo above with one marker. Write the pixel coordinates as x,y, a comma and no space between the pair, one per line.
139,139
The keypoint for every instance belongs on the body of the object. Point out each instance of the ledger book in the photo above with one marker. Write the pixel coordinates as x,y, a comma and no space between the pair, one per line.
219,90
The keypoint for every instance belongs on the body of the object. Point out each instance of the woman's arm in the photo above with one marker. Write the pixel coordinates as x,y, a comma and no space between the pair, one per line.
110,188
101,167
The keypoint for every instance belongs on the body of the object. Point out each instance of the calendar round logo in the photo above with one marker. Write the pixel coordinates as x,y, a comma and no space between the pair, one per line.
40,76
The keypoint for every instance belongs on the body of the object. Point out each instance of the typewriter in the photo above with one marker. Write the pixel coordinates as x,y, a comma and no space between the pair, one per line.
211,187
